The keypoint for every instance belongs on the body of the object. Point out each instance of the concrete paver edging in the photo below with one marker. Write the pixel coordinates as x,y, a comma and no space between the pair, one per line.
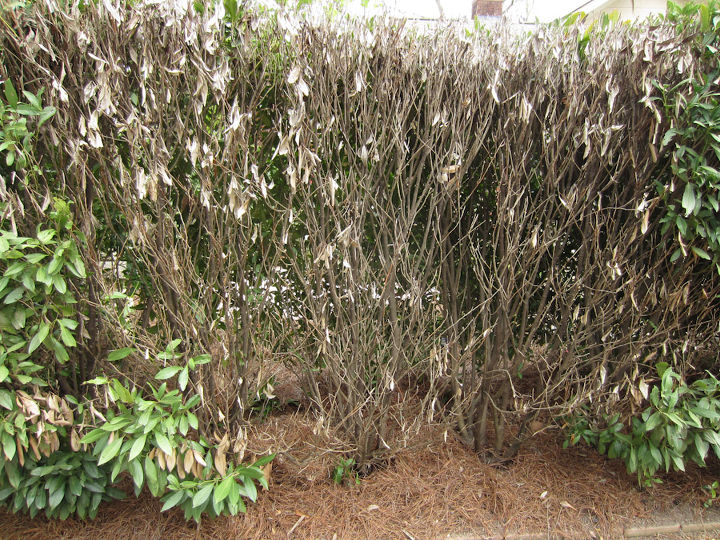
628,532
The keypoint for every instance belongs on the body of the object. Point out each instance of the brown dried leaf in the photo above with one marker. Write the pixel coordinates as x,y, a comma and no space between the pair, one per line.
189,460
220,462
20,451
74,441
170,460
34,446
160,458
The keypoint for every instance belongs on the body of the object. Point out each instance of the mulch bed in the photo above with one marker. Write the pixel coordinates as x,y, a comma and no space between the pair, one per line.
429,491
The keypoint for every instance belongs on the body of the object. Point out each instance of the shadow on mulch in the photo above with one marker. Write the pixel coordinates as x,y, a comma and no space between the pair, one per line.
439,489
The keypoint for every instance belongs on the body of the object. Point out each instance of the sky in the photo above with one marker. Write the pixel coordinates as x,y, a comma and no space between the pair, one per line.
545,10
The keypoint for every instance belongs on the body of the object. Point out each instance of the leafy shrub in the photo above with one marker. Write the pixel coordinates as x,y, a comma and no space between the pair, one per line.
713,493
692,191
16,137
155,439
38,306
681,423
65,482
345,470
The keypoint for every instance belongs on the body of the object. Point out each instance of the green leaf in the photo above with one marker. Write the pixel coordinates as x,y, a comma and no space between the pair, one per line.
39,337
26,110
151,476
75,485
136,471
688,200
183,379
202,359
119,354
45,236
33,99
702,446
163,443
9,447
67,337
701,253
137,447
223,489
264,460
60,352
172,499
10,93
79,268
183,425
202,496
681,225
168,372
56,498
70,324
59,284
6,399
91,469
4,372
250,489
34,258
18,320
110,451
47,113
55,265
656,455
42,276
97,380
14,295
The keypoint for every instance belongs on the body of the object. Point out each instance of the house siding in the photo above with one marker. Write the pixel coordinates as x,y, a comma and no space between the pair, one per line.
627,9
487,8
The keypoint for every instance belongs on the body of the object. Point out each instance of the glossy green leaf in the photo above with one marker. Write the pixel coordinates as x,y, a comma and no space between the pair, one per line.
172,500
163,443
202,496
137,447
110,451
222,490
39,337
168,372
119,354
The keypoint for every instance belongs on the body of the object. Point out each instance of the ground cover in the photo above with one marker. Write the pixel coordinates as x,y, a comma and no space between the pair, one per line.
434,489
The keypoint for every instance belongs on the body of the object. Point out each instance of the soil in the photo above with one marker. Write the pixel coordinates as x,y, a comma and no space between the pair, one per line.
438,490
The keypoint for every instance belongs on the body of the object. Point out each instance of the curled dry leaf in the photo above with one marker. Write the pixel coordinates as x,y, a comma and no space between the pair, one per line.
220,462
74,441
170,460
160,458
34,447
20,451
188,461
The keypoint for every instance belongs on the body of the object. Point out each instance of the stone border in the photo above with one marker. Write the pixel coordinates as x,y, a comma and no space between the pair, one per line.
628,532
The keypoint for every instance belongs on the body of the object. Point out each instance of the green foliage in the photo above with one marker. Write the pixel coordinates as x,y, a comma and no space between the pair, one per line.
156,441
691,195
38,313
713,493
44,467
345,470
682,423
16,136
217,494
63,484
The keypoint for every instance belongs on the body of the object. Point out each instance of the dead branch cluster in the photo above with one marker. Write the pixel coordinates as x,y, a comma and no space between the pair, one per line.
420,226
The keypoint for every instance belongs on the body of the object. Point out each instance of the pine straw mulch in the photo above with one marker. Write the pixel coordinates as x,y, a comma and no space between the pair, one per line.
439,489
